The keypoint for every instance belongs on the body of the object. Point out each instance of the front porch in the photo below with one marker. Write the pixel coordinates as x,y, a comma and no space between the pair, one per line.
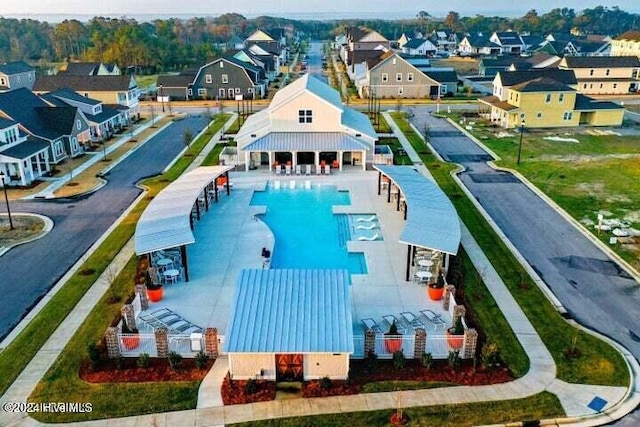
25,163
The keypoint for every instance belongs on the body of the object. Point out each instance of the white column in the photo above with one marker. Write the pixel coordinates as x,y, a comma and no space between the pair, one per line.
364,160
270,161
316,158
246,161
23,181
30,169
293,161
38,164
46,161
340,157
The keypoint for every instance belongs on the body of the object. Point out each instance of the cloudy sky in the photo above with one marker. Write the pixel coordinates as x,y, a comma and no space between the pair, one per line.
276,7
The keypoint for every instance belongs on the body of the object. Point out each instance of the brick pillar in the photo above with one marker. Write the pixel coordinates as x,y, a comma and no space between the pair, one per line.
420,343
449,292
369,342
111,339
141,289
458,311
470,343
162,342
211,342
127,314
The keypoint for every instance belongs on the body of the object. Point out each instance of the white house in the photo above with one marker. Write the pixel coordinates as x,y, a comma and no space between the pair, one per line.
23,158
419,47
307,124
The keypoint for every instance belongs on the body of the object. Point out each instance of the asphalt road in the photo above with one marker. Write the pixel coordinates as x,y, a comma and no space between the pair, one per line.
29,271
314,61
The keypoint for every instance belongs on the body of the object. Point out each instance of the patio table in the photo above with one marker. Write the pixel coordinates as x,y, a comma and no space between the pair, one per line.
163,263
171,275
425,263
424,276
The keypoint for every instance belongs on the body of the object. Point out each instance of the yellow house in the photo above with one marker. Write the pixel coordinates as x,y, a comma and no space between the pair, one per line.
626,44
604,75
543,102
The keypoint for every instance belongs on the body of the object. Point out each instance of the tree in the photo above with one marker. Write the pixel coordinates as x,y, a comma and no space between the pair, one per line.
187,137
452,20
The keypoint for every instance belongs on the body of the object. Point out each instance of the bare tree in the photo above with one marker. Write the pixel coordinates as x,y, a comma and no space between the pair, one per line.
187,137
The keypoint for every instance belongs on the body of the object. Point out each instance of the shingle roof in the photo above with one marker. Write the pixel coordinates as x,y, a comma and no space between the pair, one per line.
29,110
495,101
291,311
416,43
82,68
601,61
542,84
74,96
442,76
584,103
358,56
180,80
82,83
629,35
5,123
510,78
25,149
15,67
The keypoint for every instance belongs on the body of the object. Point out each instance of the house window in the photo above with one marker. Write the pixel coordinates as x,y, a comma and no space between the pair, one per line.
567,115
601,85
615,85
539,115
221,93
398,77
237,90
305,116
231,93
3,82
561,98
400,90
58,149
190,92
74,143
202,92
409,77
608,71
208,79
591,72
225,78
385,77
221,64
250,90
78,124
548,98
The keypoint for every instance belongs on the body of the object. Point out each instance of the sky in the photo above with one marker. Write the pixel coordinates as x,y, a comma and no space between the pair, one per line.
359,8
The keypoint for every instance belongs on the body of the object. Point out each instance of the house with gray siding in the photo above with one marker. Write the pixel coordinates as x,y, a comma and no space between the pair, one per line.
229,78
395,77
14,75
175,87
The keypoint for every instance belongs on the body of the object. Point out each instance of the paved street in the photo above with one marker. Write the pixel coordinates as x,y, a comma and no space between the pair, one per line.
314,61
30,270
594,290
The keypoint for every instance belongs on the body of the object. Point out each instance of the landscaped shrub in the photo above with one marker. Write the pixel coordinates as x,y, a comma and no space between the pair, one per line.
326,383
201,360
175,360
489,355
143,360
371,360
398,360
119,362
454,360
94,355
426,360
251,387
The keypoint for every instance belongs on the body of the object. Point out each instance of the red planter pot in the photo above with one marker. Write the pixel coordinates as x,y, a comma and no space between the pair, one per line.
392,344
435,294
131,342
155,295
455,341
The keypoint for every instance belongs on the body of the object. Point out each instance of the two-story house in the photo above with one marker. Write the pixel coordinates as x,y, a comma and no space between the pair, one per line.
476,45
275,45
119,92
419,47
509,41
544,99
626,44
445,40
228,78
610,75
359,39
175,87
23,158
307,124
14,75
267,62
394,77
65,129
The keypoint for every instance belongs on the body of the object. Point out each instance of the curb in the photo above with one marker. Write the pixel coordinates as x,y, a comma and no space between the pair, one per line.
48,226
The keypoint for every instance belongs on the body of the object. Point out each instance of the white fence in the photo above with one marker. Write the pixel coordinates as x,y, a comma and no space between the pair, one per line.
133,345
137,306
385,346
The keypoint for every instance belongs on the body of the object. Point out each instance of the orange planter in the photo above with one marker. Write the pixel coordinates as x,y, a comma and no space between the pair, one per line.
435,294
455,341
131,342
155,295
393,344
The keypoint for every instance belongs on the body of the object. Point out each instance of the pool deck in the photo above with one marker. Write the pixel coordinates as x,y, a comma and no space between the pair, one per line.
230,238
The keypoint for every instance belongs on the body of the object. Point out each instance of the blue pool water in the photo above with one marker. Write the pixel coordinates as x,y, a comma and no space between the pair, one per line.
307,233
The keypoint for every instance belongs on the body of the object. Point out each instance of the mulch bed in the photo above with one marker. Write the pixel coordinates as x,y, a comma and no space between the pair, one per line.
362,372
234,393
158,370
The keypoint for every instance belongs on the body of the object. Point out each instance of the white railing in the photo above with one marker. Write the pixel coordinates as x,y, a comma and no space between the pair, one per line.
358,347
132,345
184,345
137,306
386,345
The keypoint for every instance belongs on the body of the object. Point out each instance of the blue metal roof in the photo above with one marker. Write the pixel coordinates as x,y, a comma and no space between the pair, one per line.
432,221
291,311
307,141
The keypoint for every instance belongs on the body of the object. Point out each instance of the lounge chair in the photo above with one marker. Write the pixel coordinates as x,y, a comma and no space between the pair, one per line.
318,170
370,238
369,323
307,169
371,226
288,169
278,170
335,164
412,319
390,319
369,219
298,169
327,170
433,318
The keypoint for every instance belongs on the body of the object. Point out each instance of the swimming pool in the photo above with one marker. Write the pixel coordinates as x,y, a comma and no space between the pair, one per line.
307,233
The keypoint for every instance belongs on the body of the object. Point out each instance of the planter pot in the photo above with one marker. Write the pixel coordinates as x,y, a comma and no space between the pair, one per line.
393,344
397,420
131,342
455,341
155,295
435,294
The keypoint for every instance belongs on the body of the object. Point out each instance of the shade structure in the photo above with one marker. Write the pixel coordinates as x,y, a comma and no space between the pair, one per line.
291,311
432,221
307,141
165,223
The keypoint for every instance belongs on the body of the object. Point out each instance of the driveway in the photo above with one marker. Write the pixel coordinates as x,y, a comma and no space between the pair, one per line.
30,270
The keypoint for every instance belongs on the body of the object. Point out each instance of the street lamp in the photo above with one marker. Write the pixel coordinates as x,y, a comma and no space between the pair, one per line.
520,145
162,98
6,199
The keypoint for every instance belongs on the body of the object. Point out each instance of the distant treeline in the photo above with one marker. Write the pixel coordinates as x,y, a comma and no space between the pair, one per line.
174,44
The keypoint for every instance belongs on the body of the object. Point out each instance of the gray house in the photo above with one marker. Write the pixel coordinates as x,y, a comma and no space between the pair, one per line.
176,87
14,75
394,77
229,78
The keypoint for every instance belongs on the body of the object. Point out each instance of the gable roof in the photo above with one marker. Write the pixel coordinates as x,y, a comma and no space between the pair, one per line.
601,61
373,36
25,149
179,80
416,43
84,83
476,40
585,103
7,123
508,37
441,76
310,84
15,67
372,57
542,84
510,78
74,96
82,68
633,35
260,35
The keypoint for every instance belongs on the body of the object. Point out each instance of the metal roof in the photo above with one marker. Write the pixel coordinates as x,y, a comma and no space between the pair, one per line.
291,311
165,222
307,141
432,221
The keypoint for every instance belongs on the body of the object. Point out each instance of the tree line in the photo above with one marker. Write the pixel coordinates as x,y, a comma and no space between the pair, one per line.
176,44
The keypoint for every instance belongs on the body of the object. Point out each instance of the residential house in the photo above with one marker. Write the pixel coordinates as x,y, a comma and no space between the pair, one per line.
446,78
531,42
610,75
119,92
360,61
546,98
402,40
23,158
175,87
65,129
475,45
626,44
419,47
268,43
307,124
445,40
509,41
489,67
229,78
14,75
359,39
567,44
91,69
267,62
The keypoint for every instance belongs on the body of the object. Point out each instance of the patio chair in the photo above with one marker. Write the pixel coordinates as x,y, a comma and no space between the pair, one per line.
412,319
369,238
318,169
278,170
335,164
288,169
433,318
307,169
390,319
369,323
327,170
298,170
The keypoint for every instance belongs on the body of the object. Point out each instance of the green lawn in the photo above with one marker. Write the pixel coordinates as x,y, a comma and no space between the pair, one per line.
539,406
144,81
599,363
63,377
